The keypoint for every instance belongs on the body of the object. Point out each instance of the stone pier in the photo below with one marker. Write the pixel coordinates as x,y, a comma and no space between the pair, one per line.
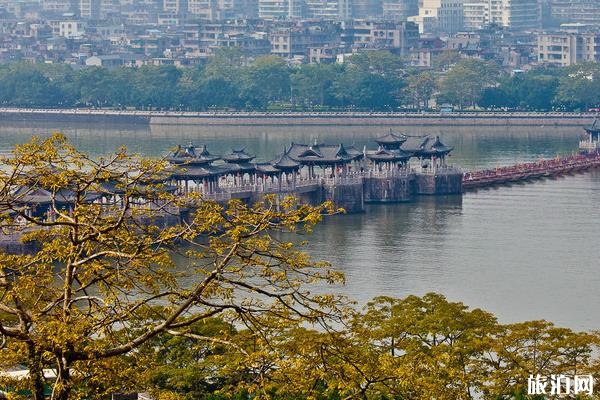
442,181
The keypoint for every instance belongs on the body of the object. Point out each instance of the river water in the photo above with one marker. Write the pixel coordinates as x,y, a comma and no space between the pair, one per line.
526,251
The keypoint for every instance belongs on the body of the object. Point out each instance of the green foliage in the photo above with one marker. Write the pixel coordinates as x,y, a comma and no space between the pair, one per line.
579,86
370,80
464,83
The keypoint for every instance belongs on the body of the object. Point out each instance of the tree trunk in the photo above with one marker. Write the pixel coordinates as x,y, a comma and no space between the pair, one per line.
62,387
36,371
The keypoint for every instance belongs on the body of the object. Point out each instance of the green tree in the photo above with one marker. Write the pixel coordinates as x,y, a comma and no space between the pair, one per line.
266,81
154,87
420,88
98,87
464,83
446,60
381,63
24,85
103,281
578,86
311,84
366,90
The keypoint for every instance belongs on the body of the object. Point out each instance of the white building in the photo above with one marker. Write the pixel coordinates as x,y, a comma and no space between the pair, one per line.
440,16
71,29
274,9
89,9
512,14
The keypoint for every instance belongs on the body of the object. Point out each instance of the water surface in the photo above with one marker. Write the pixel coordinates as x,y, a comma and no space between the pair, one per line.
527,251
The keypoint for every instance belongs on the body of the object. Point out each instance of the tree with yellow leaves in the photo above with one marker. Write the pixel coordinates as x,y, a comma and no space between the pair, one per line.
105,276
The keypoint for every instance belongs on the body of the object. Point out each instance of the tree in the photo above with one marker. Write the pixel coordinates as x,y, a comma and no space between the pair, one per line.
266,81
464,83
99,87
154,87
579,86
420,88
311,84
367,90
103,280
26,86
446,60
525,91
381,63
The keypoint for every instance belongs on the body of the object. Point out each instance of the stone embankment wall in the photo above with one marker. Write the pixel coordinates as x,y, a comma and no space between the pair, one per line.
300,118
349,196
440,183
389,190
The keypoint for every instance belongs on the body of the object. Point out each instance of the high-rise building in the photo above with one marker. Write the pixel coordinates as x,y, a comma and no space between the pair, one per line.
109,7
476,15
576,11
275,9
89,9
324,9
440,16
512,14
520,15
59,6
400,10
175,6
367,9
201,9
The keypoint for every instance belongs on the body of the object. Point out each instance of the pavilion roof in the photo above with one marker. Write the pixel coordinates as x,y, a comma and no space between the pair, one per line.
425,146
37,195
323,154
594,127
391,139
267,169
239,167
285,162
388,155
192,155
200,171
237,156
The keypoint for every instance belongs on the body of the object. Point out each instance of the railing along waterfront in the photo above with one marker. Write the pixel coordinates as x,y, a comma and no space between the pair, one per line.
389,173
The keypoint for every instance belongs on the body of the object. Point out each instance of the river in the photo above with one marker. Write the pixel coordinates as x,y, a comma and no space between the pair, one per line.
526,251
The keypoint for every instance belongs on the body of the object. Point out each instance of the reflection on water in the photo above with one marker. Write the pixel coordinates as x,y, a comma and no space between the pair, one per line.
525,251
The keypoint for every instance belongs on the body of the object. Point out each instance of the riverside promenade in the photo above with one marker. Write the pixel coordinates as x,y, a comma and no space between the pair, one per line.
296,118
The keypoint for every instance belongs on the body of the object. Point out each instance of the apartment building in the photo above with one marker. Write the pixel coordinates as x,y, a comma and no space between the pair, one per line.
440,16
564,49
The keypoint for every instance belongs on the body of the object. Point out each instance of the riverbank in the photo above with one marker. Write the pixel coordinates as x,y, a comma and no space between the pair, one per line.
176,118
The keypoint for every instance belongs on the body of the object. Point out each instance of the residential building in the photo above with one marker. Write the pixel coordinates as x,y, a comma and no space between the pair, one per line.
398,37
179,7
281,9
367,9
399,10
71,28
89,9
295,41
576,11
439,16
521,15
516,15
563,49
59,6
